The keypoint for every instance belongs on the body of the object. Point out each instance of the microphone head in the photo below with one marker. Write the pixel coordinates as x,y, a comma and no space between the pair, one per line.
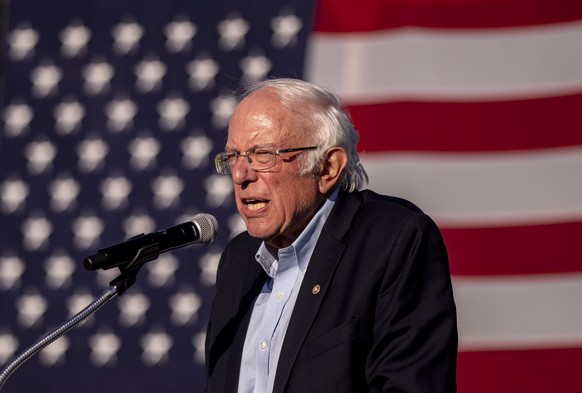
207,226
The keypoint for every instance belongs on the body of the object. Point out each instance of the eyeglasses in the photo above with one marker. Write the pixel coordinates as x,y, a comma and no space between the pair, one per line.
259,159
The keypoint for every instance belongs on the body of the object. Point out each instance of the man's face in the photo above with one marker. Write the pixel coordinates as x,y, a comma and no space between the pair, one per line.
276,204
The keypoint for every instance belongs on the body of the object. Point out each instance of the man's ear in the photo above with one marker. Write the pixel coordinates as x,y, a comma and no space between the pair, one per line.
334,163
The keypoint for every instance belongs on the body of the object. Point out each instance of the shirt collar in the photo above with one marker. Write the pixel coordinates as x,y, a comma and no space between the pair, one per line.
303,246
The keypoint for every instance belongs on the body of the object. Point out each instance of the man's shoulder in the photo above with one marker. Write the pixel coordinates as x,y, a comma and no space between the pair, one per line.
368,209
371,200
389,201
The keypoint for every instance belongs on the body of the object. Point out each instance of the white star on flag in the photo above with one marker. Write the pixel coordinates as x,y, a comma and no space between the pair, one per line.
11,269
202,71
104,347
127,36
161,273
172,111
45,79
143,151
120,113
86,229
59,270
97,75
285,28
167,190
179,34
91,152
255,67
64,191
232,32
185,306
13,194
22,42
115,190
156,345
8,346
36,231
17,117
68,115
196,151
149,74
74,39
133,308
31,309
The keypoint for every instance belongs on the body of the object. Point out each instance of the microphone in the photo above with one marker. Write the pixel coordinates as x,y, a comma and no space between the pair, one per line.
202,228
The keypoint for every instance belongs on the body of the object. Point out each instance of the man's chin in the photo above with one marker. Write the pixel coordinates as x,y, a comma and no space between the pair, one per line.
260,235
269,237
258,231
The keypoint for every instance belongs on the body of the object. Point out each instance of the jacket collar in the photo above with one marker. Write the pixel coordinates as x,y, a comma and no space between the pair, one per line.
319,274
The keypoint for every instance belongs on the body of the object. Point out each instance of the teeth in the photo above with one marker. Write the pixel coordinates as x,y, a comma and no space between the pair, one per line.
256,205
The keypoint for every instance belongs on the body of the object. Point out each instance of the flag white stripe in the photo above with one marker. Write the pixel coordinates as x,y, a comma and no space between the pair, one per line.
519,312
449,64
484,189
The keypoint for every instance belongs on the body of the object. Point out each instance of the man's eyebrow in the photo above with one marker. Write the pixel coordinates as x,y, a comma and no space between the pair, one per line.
253,147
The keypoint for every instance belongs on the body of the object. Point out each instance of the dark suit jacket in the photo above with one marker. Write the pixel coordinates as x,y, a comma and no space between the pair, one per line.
382,319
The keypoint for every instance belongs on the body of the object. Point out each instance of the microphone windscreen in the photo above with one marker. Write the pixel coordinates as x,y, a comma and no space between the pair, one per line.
207,226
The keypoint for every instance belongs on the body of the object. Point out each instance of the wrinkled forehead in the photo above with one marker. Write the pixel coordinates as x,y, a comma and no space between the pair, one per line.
261,119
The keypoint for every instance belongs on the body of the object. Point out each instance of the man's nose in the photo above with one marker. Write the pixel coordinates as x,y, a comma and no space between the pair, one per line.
242,171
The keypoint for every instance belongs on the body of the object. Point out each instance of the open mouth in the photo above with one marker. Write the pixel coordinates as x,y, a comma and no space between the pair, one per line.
253,204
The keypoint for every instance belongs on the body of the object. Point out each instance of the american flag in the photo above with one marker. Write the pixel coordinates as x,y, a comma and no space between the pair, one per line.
113,110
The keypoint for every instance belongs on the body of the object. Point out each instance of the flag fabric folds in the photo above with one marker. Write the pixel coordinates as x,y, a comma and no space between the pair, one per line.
472,110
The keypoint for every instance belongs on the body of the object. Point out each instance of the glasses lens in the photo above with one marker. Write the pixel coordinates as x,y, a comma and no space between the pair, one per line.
221,161
260,159
263,158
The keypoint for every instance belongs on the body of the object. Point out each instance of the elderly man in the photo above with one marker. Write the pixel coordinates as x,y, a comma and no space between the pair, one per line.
330,289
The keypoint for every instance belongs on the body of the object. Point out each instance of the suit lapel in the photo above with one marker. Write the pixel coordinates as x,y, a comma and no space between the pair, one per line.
318,277
245,282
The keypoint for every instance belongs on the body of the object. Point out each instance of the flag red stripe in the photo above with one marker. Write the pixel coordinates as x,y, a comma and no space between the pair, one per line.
469,126
372,15
536,249
477,107
532,371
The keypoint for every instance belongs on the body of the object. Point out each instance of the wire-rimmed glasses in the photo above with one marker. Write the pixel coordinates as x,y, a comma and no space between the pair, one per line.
259,159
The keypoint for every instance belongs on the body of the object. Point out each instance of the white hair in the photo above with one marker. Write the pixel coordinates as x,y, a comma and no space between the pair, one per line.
331,125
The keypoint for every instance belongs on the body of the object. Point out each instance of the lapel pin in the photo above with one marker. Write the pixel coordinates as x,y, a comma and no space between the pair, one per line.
315,290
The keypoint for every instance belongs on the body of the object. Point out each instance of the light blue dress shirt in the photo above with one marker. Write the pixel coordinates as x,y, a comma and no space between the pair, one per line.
273,308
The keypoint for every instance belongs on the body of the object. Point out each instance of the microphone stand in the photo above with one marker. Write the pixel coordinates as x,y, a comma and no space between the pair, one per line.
117,287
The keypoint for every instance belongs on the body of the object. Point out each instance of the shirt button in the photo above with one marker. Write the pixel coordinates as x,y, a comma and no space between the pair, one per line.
263,344
280,296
